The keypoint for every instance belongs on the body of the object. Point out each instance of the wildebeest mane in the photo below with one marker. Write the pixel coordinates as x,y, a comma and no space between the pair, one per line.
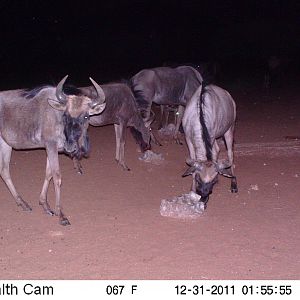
68,90
31,93
205,133
71,90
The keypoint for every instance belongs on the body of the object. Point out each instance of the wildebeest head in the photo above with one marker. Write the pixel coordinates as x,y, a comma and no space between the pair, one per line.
76,112
205,174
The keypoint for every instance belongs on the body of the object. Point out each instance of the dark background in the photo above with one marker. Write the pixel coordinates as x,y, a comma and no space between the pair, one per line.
41,41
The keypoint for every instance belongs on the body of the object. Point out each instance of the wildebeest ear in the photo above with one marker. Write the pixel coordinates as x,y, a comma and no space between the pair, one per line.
223,164
97,109
189,171
56,104
190,162
226,173
194,165
223,168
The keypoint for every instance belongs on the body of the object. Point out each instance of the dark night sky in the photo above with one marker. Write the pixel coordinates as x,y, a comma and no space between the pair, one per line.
43,40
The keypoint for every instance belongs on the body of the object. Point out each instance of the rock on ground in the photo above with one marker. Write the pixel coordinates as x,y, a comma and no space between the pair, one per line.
186,206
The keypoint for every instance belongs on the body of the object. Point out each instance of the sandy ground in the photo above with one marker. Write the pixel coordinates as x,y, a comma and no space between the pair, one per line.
117,231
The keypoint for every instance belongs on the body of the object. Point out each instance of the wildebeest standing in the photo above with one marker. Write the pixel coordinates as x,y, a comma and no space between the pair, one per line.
209,115
209,70
45,118
165,86
121,110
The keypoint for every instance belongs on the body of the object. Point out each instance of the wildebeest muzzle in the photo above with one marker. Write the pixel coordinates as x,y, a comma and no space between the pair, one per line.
77,142
204,189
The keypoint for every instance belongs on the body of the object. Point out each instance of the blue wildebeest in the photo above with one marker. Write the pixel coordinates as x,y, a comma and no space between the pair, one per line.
165,86
209,115
45,117
121,110
209,71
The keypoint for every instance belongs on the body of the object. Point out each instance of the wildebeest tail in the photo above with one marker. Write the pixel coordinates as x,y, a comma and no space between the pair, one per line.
205,133
138,136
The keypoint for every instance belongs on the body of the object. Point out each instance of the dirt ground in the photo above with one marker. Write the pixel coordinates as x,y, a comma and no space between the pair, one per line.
117,231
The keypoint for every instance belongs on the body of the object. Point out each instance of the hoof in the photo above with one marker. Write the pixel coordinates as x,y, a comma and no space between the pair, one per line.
178,142
204,205
79,172
123,166
49,212
24,205
47,209
156,142
234,190
64,221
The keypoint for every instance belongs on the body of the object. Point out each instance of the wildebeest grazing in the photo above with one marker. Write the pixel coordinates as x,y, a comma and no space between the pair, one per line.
121,110
209,115
165,86
45,117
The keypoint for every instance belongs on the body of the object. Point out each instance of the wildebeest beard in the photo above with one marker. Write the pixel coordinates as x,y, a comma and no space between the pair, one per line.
77,141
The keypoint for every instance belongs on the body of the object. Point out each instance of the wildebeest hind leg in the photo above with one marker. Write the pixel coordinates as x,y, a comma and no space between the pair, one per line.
5,155
117,135
164,116
179,116
120,131
77,165
228,136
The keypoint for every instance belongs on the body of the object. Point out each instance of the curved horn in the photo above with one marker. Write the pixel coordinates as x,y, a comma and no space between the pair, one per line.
59,90
100,93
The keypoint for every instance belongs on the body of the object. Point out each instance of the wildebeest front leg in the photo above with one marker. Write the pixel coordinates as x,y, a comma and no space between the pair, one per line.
52,153
43,196
215,151
5,155
193,157
154,138
120,131
148,119
178,120
77,165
